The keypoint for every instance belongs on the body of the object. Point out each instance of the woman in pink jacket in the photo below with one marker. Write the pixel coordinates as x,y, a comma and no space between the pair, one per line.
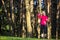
43,23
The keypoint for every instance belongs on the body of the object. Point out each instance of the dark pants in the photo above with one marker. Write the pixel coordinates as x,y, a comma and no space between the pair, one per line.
43,29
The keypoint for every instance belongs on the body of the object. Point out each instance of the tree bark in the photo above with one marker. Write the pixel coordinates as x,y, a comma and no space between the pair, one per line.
28,19
11,16
57,17
39,10
49,18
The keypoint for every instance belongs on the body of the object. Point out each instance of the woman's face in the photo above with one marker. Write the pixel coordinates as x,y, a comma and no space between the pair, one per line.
43,13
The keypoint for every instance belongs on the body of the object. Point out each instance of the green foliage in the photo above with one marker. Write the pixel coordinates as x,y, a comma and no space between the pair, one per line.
7,27
0,9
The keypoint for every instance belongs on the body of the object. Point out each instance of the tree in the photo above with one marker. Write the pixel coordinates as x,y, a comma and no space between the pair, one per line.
49,18
28,19
39,10
11,15
53,17
57,19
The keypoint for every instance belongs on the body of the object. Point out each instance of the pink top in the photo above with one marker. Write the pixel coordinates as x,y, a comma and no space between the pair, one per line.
43,19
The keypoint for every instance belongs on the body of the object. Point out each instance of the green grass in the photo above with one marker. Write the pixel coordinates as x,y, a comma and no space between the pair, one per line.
19,38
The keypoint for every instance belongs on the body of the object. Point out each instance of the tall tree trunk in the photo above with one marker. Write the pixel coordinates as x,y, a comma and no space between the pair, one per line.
39,5
53,16
59,20
39,10
32,24
23,27
4,7
11,15
11,10
57,17
28,19
32,15
49,18
21,16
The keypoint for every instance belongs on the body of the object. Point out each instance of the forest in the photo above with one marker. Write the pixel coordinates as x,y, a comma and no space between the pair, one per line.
18,18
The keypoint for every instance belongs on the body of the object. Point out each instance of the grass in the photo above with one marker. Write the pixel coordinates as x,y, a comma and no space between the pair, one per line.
19,38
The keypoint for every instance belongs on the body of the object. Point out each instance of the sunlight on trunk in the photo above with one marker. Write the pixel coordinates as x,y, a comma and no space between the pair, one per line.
29,28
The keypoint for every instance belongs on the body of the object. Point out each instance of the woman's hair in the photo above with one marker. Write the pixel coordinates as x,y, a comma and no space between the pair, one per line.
43,12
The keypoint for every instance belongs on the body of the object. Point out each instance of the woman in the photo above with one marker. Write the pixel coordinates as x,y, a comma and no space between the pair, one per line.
43,23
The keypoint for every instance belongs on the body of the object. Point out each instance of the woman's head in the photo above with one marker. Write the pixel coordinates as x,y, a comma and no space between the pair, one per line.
43,13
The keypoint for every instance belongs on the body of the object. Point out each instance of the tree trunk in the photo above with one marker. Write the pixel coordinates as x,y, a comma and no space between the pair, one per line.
32,15
39,5
57,17
11,10
39,10
53,17
49,18
28,19
11,16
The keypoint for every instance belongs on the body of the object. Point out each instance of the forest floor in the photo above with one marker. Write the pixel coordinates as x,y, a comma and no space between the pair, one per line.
19,38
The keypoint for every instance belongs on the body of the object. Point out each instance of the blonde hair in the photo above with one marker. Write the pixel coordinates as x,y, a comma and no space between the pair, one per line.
43,12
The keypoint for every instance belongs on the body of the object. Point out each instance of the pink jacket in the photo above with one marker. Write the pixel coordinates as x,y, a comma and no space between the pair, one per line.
43,19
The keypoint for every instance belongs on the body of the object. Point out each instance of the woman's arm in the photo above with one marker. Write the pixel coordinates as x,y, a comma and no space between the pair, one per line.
38,16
